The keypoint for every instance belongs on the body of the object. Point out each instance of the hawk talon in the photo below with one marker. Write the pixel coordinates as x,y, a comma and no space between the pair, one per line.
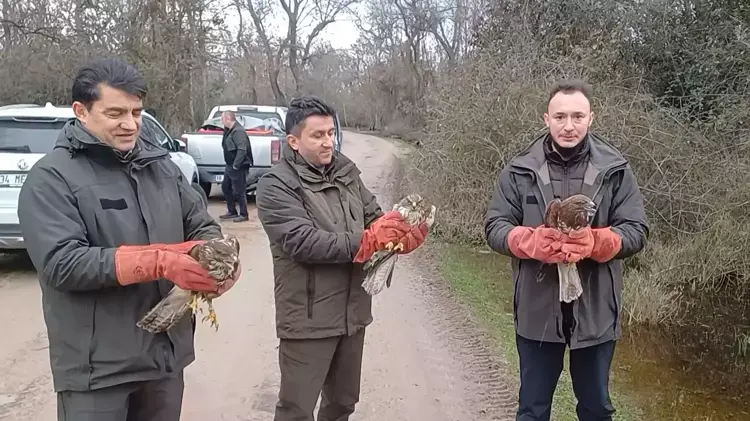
389,246
194,304
399,247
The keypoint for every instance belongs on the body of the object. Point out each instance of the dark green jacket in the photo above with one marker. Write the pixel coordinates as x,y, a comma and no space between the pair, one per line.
79,203
523,190
314,220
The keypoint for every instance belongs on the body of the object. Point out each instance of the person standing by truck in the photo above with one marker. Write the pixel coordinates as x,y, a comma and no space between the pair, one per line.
238,159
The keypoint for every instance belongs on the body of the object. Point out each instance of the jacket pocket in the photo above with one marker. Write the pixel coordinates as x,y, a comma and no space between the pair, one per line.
310,293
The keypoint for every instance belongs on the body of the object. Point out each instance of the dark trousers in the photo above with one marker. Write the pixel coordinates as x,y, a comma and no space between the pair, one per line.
157,400
234,187
541,364
332,366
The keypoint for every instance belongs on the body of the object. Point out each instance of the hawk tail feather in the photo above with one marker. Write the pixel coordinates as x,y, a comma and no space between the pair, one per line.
380,277
167,312
570,282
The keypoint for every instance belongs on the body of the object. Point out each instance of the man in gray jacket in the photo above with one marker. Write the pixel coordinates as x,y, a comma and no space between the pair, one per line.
108,220
237,160
567,160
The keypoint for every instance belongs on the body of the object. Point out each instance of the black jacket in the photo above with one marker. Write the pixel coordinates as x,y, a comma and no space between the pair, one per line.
236,146
78,204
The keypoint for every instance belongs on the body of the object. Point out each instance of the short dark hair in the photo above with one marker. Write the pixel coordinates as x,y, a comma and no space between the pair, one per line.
112,72
303,107
569,86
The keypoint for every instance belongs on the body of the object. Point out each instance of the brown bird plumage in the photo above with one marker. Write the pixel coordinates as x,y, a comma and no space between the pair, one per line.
567,215
220,257
378,270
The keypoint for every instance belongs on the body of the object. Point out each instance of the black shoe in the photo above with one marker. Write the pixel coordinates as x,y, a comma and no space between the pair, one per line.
240,219
228,216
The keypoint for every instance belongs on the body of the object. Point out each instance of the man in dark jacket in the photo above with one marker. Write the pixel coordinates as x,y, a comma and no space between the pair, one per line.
108,220
320,218
237,161
565,161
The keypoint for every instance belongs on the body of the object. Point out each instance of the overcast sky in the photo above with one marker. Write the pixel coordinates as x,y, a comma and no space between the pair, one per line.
341,34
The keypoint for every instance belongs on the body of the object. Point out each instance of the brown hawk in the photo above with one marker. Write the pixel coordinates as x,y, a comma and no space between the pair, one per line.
220,257
378,270
567,215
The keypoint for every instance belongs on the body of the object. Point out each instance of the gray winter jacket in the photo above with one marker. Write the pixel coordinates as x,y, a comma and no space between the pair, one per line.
79,203
523,190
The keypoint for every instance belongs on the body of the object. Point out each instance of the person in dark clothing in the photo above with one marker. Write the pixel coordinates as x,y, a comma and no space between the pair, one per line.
567,160
108,220
320,218
238,160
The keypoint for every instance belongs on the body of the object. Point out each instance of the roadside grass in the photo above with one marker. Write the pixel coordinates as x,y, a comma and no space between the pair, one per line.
482,280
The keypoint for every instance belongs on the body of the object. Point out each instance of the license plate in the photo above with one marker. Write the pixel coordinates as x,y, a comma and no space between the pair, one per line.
218,178
12,180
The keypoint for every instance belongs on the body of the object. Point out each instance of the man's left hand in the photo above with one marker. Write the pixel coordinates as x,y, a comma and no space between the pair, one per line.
578,244
413,239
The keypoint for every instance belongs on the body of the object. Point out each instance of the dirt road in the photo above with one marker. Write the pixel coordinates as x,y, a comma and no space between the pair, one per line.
423,359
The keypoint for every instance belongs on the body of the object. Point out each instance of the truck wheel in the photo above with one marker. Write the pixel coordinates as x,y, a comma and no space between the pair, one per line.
201,191
206,187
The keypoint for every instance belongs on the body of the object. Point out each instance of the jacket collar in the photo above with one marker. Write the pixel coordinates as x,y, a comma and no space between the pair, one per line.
341,167
76,138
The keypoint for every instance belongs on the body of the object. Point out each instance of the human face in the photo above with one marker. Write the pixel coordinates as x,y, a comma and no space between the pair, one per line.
115,118
315,142
568,118
227,120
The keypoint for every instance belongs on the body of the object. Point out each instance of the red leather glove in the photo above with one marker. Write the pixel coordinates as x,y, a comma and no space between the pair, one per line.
578,245
389,228
413,239
133,266
542,244
607,244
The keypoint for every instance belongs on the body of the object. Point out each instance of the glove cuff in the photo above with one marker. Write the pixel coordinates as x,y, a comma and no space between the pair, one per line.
518,236
607,244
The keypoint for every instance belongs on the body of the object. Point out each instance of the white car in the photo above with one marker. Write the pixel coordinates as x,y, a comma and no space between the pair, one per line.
28,132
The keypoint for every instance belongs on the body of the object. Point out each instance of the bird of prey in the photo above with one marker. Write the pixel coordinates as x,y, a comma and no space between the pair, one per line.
378,270
567,215
220,257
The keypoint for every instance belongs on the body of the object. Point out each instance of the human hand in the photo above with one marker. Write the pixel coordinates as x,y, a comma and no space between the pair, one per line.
389,228
541,243
578,244
185,272
413,239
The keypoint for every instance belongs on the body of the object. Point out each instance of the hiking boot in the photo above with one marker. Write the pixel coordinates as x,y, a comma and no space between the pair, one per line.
240,219
228,216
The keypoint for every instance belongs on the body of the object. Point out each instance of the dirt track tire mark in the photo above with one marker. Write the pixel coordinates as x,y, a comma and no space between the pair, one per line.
449,326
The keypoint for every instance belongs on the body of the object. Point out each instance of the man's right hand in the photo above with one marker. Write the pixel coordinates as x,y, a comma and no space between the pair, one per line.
133,265
389,228
542,244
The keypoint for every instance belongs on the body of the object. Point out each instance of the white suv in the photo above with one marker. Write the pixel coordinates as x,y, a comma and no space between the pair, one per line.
28,132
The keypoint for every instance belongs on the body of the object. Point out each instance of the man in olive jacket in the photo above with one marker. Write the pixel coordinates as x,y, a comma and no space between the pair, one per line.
565,161
237,160
319,218
108,220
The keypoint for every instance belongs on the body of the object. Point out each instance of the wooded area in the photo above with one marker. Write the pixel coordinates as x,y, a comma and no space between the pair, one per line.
466,80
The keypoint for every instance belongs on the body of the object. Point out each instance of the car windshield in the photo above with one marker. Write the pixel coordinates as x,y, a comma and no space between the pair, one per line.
29,136
258,121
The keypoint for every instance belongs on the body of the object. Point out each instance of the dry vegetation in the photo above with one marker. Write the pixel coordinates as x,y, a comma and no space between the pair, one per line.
466,80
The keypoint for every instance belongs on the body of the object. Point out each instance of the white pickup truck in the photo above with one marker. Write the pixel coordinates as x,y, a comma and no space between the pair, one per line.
29,131
265,129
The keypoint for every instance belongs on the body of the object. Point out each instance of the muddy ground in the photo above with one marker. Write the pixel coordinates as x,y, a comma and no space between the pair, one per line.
424,359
